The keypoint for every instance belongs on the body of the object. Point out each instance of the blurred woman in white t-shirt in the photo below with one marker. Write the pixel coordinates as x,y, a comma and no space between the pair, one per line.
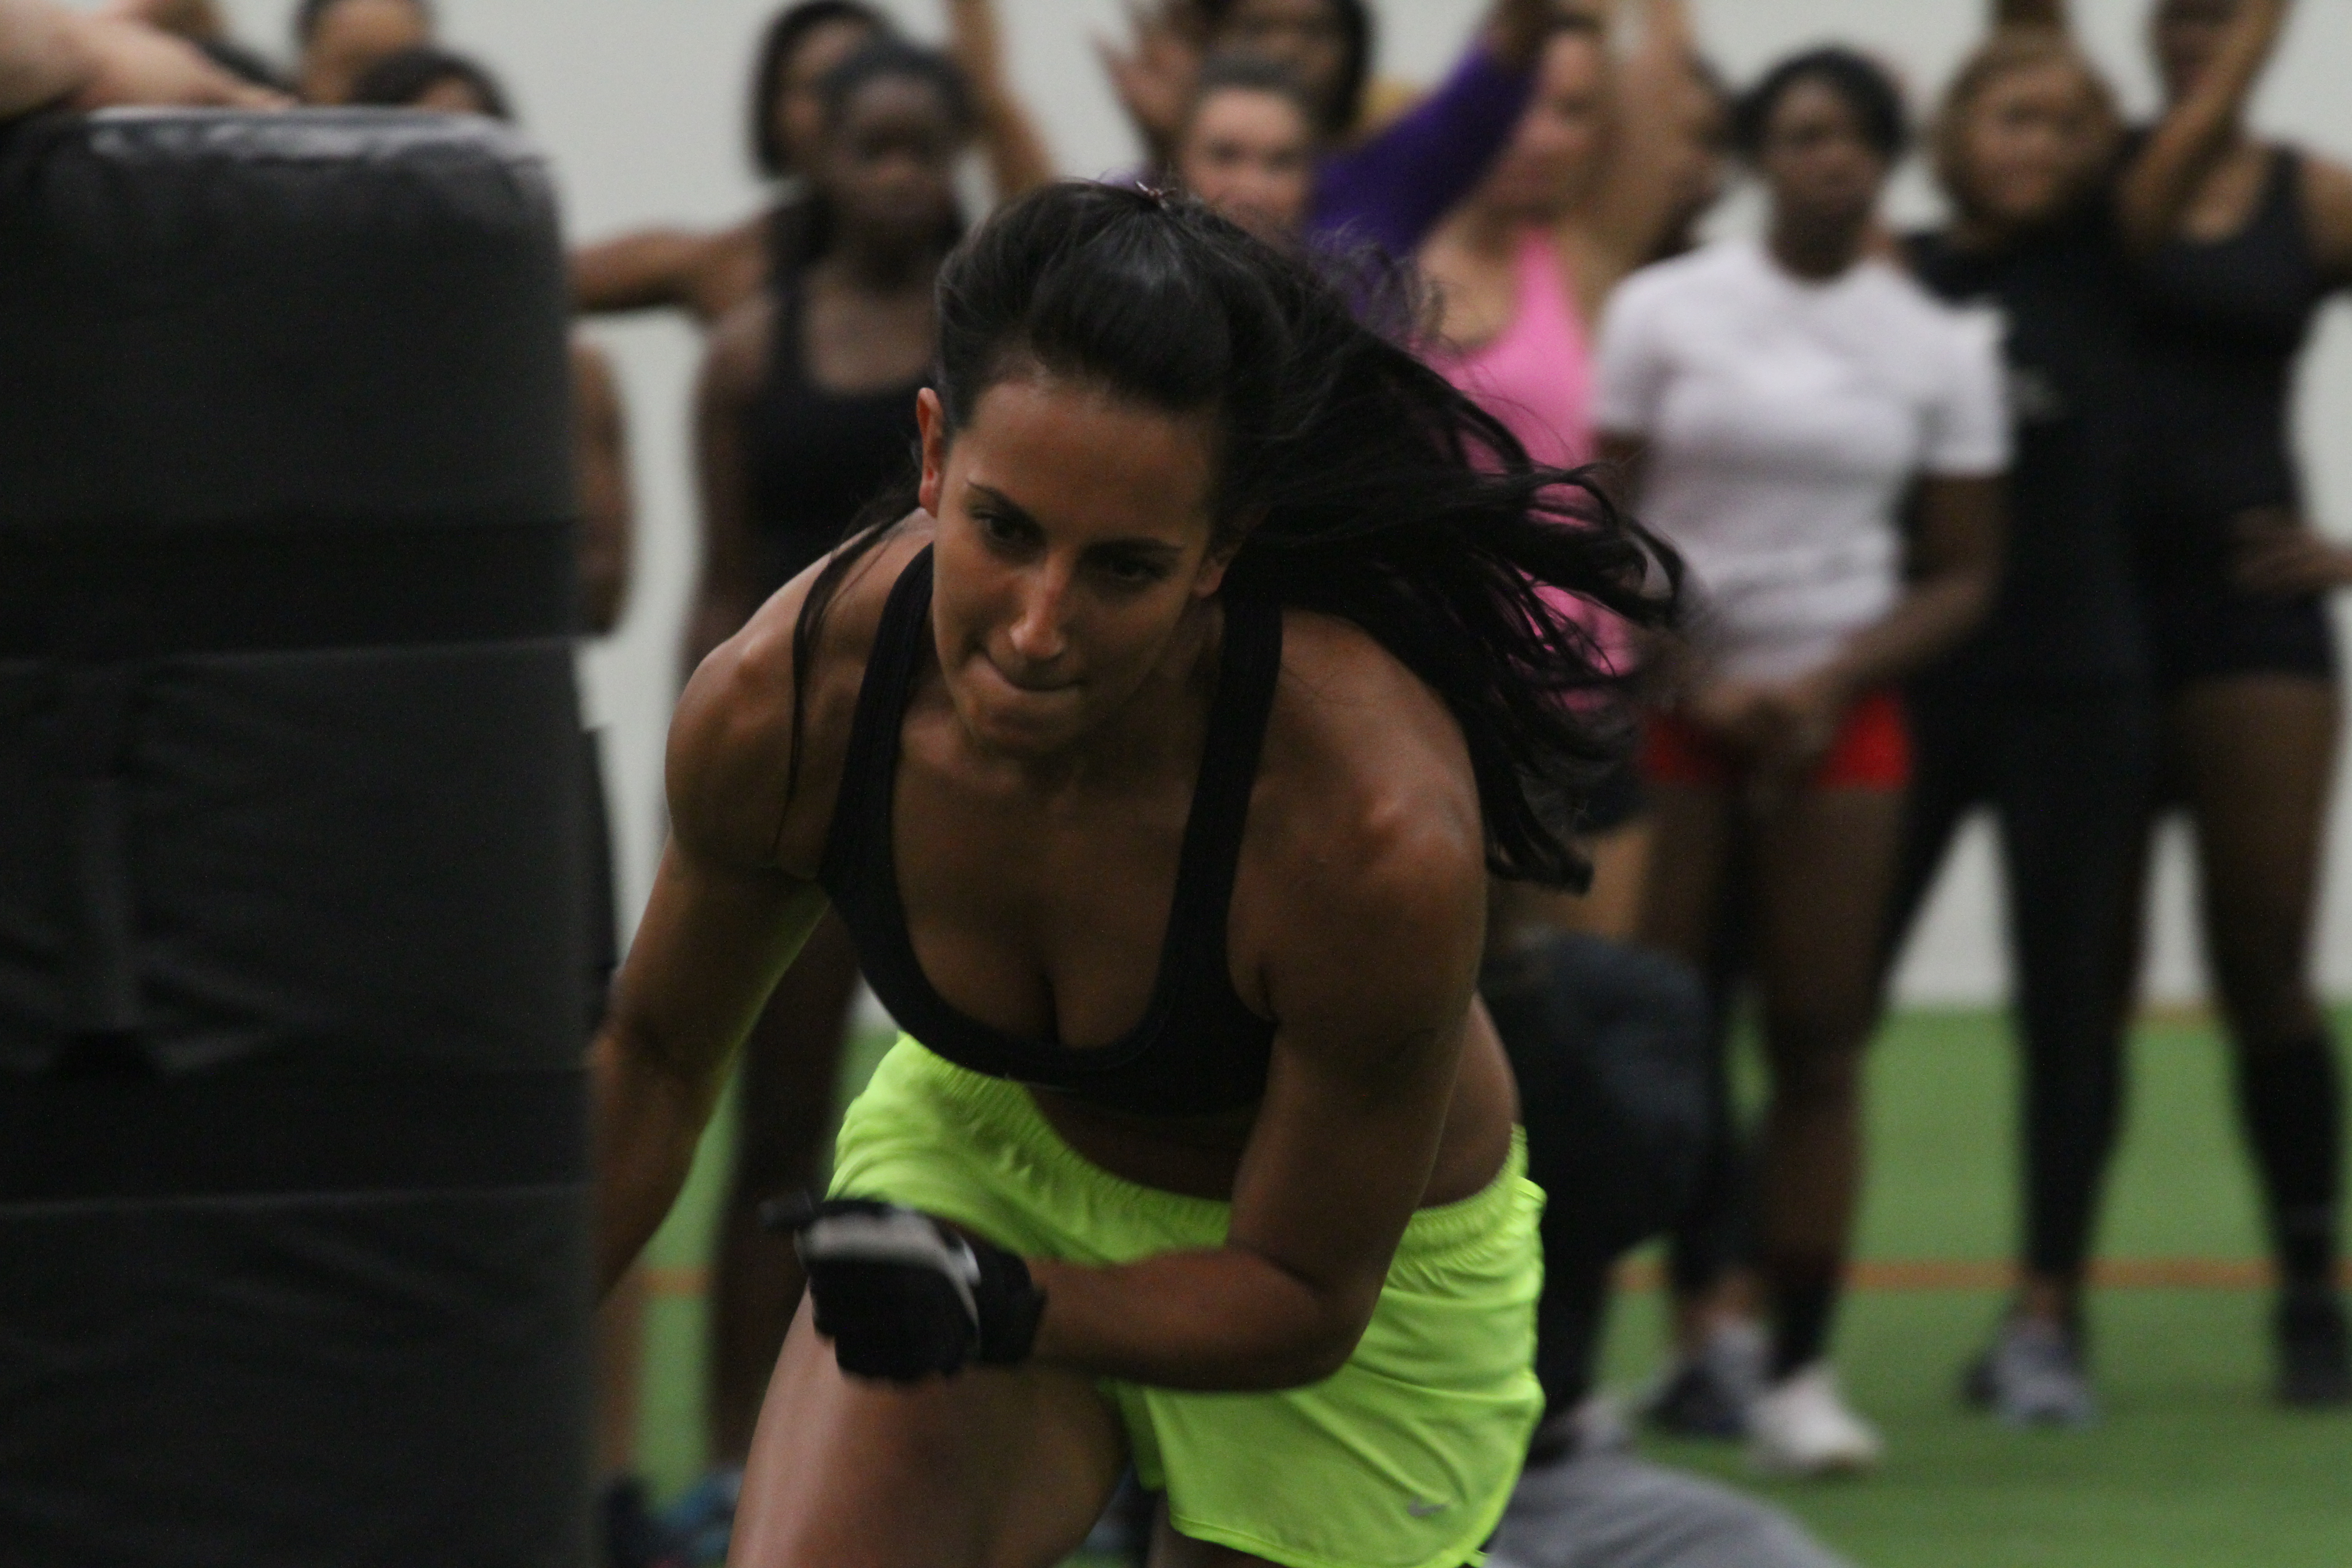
1774,404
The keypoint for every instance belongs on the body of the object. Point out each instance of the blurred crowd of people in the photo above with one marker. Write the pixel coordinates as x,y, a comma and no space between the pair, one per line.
2000,513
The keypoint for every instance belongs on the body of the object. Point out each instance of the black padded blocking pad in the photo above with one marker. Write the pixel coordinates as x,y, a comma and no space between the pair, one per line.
292,1215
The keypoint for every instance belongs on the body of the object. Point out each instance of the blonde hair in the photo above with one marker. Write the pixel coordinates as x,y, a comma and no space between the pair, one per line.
2006,53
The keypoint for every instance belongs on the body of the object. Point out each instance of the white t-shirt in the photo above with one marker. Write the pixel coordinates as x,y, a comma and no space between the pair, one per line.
1783,421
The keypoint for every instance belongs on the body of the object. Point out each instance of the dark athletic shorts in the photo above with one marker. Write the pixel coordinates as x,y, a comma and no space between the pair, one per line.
2205,630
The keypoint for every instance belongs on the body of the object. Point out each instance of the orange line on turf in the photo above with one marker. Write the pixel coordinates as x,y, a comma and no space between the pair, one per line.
1871,1274
1956,1274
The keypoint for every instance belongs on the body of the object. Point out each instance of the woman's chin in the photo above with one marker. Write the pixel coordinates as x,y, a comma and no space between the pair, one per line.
1025,724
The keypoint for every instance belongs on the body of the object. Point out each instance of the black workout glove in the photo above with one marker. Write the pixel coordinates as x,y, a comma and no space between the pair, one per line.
904,1298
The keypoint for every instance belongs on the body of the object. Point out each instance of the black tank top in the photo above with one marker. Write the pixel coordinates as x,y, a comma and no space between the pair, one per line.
2067,615
2221,323
816,457
1198,1048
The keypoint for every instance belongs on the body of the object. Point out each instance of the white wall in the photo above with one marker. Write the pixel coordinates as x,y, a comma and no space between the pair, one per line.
639,103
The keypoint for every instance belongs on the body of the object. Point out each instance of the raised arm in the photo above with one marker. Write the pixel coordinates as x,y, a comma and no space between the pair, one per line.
2165,175
1622,223
1018,158
1392,189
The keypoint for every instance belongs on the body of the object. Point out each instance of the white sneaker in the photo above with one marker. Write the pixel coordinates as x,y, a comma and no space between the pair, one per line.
1801,1426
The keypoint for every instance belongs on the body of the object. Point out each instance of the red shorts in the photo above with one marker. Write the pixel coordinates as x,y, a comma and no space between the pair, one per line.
1872,751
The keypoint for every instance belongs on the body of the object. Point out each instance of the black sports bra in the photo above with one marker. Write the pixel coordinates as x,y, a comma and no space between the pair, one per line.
1199,1049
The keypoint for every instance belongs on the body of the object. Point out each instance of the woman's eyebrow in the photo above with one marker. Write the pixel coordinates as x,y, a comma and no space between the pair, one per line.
997,500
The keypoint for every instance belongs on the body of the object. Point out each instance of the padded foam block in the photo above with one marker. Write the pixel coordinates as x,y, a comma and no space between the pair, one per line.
292,1154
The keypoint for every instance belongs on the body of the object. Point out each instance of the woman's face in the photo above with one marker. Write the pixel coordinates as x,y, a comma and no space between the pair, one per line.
2187,35
888,167
1074,542
1250,154
352,36
798,109
1819,167
1305,35
1552,153
2029,144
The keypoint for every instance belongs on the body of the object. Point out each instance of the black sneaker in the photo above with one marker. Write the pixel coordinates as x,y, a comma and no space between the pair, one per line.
2032,1376
2315,1352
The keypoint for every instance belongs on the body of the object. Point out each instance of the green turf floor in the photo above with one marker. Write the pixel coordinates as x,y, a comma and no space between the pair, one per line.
2192,1466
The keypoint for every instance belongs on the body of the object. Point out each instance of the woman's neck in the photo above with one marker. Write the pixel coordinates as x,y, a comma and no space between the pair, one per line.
880,269
1488,228
1818,253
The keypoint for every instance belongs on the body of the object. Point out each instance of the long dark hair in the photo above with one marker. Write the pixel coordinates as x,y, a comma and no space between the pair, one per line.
779,42
1353,481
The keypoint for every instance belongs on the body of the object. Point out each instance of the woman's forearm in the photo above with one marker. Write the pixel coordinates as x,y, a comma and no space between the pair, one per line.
1018,161
647,1121
2164,177
1931,619
42,58
1214,1321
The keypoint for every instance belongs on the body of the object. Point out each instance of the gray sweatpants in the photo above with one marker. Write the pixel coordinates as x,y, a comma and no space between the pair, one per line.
1613,1511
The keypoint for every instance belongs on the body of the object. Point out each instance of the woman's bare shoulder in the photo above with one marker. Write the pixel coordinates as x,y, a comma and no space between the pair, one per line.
1364,860
1365,774
732,782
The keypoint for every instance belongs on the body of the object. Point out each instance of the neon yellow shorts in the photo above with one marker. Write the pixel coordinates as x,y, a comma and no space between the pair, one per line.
1403,1459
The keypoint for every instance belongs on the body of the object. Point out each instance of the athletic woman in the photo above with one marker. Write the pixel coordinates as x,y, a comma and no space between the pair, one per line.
805,414
337,40
1379,182
2239,242
2045,714
1246,147
710,274
1772,401
1157,760
1583,195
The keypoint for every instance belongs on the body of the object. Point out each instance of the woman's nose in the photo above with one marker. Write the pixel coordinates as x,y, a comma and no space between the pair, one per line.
1038,632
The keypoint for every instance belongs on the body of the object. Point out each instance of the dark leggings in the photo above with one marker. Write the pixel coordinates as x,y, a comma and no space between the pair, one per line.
2068,777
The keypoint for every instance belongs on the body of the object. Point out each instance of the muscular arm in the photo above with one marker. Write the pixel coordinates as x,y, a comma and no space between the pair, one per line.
2164,177
1018,158
1375,1001
728,590
607,507
724,922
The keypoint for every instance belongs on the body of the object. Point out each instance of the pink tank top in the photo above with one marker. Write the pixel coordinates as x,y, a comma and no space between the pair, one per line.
1536,376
